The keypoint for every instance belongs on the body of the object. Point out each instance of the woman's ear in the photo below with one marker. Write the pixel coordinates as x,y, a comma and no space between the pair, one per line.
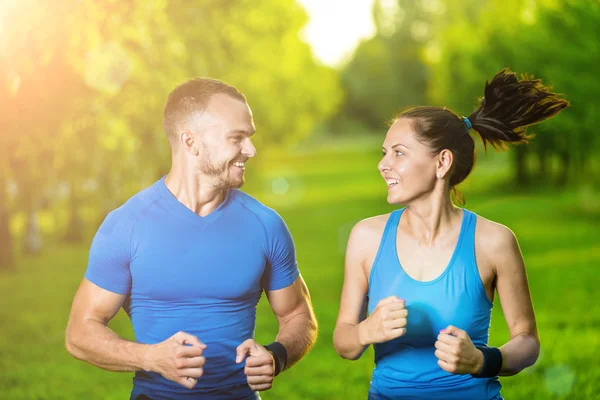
443,163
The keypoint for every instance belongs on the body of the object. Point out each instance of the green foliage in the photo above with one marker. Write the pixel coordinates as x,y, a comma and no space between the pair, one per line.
113,63
553,41
83,85
320,206
254,45
386,73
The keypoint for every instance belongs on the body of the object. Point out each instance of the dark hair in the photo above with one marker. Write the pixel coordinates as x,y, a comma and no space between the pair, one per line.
508,107
190,99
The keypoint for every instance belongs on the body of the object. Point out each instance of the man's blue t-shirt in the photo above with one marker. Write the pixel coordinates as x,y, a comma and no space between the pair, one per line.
200,275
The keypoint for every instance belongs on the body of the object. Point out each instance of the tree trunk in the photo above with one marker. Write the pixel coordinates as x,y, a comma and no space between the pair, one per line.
563,177
6,241
33,236
75,225
522,176
6,246
543,157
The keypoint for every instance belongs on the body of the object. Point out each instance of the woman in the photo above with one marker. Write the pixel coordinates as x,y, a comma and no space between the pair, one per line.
427,273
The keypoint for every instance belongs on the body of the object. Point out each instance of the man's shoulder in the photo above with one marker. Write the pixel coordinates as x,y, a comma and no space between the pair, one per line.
264,213
125,216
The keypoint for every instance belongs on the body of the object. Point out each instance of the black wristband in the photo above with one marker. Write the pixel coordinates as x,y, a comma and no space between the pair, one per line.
492,362
279,354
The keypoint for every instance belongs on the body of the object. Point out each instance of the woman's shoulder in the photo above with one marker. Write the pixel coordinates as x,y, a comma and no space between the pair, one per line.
364,241
372,226
493,236
367,233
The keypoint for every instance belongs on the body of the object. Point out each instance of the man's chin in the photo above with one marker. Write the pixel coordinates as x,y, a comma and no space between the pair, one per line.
235,184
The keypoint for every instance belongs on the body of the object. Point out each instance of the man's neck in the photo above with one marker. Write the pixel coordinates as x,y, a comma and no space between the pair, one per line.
195,192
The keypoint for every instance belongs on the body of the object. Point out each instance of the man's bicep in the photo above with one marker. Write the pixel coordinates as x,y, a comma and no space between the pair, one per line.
110,254
290,300
282,266
92,302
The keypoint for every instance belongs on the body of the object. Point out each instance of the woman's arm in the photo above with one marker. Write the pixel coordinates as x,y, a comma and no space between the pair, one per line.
354,332
499,260
523,348
353,304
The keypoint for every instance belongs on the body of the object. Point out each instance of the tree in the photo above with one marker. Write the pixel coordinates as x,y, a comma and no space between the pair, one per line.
88,81
386,73
554,41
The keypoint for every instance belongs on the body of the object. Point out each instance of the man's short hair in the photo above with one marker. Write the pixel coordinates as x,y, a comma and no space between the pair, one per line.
189,100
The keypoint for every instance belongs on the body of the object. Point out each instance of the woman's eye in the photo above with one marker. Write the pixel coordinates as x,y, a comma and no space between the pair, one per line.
399,153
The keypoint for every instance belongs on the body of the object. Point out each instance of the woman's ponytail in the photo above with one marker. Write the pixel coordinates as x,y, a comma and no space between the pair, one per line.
510,106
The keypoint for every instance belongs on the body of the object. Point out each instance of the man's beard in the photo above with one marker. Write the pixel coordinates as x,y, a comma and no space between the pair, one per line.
208,168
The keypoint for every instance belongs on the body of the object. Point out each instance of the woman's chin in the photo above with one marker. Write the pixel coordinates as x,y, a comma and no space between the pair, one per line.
394,199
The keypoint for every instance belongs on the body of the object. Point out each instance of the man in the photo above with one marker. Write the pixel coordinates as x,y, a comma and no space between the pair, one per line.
188,259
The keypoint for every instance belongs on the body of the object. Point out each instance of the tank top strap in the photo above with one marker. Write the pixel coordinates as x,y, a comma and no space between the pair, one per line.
387,245
391,226
468,240
467,253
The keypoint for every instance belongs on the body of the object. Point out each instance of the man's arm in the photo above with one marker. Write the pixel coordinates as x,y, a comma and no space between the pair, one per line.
289,298
296,319
297,334
88,338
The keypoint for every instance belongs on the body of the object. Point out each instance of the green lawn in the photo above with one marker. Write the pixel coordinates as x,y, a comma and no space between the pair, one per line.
326,192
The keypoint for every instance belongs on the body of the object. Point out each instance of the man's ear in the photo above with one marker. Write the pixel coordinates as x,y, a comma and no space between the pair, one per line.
188,142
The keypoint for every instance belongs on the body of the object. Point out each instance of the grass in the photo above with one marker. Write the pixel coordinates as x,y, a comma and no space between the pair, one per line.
325,193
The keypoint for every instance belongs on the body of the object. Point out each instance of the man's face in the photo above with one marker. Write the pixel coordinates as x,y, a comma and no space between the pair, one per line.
223,132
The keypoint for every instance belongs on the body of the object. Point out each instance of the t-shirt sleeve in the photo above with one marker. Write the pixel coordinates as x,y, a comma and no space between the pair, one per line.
110,254
282,268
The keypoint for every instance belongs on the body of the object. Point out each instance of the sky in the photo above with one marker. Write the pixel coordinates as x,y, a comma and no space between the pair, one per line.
335,27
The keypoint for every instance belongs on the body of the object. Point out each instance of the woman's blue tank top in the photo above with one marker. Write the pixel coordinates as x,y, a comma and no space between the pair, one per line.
406,367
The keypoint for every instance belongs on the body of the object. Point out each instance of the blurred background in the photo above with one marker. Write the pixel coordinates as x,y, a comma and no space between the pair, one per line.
82,87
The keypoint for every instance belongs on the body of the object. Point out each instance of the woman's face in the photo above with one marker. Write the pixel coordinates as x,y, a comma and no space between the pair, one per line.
408,166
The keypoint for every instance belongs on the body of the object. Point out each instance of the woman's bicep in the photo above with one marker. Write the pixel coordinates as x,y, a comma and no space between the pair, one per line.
353,304
513,287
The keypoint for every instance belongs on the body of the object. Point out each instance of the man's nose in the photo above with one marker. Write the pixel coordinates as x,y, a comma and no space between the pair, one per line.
248,149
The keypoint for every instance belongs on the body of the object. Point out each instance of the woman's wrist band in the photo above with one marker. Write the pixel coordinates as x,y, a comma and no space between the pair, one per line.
492,362
279,354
